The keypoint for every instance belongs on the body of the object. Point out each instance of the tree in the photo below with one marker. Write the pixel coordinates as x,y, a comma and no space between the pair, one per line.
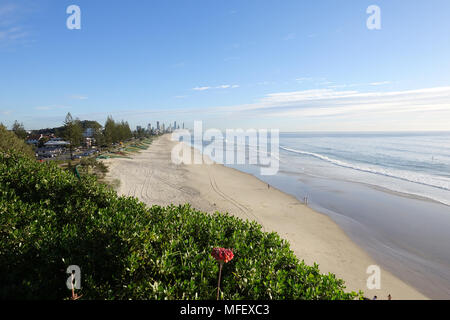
116,131
72,132
140,133
10,142
43,141
19,130
109,133
99,137
124,131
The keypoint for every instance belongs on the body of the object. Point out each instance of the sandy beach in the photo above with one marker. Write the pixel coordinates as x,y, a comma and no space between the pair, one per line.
314,237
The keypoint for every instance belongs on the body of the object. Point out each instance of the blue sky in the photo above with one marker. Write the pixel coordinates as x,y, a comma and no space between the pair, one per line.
293,65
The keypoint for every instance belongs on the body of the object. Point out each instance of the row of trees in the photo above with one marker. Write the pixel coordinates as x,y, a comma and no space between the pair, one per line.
115,132
72,131
112,132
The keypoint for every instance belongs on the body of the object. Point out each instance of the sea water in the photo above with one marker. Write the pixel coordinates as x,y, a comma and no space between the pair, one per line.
411,163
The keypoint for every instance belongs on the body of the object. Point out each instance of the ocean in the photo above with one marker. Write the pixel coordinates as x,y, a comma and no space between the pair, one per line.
411,163
390,192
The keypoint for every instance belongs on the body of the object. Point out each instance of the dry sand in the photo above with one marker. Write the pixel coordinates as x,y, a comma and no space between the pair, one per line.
314,237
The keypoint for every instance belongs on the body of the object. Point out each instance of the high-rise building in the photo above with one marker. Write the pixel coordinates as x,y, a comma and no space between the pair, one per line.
175,125
157,125
183,125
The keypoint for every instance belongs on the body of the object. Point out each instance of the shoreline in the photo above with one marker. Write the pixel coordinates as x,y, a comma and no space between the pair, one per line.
314,237
384,189
406,235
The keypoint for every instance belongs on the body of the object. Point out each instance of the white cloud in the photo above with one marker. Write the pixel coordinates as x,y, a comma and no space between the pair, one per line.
223,86
201,88
79,97
336,86
327,109
328,102
380,83
303,79
11,30
13,33
321,81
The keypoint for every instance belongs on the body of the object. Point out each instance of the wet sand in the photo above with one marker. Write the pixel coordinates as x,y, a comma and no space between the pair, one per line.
314,237
407,235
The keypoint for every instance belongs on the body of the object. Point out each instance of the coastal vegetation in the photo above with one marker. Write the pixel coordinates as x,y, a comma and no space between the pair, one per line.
114,132
10,142
50,219
73,132
19,130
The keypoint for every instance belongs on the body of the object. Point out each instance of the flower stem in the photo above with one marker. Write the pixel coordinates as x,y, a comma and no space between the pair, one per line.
220,274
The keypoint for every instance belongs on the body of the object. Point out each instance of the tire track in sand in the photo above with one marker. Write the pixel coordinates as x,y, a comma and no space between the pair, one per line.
237,204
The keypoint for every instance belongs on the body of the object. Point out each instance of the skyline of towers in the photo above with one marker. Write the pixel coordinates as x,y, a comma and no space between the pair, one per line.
161,127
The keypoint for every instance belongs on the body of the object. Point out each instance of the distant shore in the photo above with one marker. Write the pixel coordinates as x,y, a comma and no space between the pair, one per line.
314,237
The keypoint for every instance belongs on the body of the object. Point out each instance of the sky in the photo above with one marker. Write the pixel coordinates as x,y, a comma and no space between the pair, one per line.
293,65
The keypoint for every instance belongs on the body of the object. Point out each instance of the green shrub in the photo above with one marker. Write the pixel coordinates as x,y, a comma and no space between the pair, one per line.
9,142
50,220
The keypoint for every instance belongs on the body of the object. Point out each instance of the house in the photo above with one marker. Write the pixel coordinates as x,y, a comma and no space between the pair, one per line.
49,152
56,142
34,139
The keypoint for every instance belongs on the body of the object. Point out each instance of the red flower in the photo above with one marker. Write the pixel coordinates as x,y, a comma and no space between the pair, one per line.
222,254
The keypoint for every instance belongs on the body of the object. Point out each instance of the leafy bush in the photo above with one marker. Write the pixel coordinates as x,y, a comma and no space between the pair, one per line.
50,220
98,167
9,142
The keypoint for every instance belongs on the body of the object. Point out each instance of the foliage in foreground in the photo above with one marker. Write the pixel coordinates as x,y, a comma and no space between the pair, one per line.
10,142
50,220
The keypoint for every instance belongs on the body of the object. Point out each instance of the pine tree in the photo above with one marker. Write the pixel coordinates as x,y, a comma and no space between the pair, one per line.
19,130
72,132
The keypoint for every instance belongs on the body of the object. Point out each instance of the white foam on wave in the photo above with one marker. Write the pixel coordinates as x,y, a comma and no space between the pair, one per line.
423,179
